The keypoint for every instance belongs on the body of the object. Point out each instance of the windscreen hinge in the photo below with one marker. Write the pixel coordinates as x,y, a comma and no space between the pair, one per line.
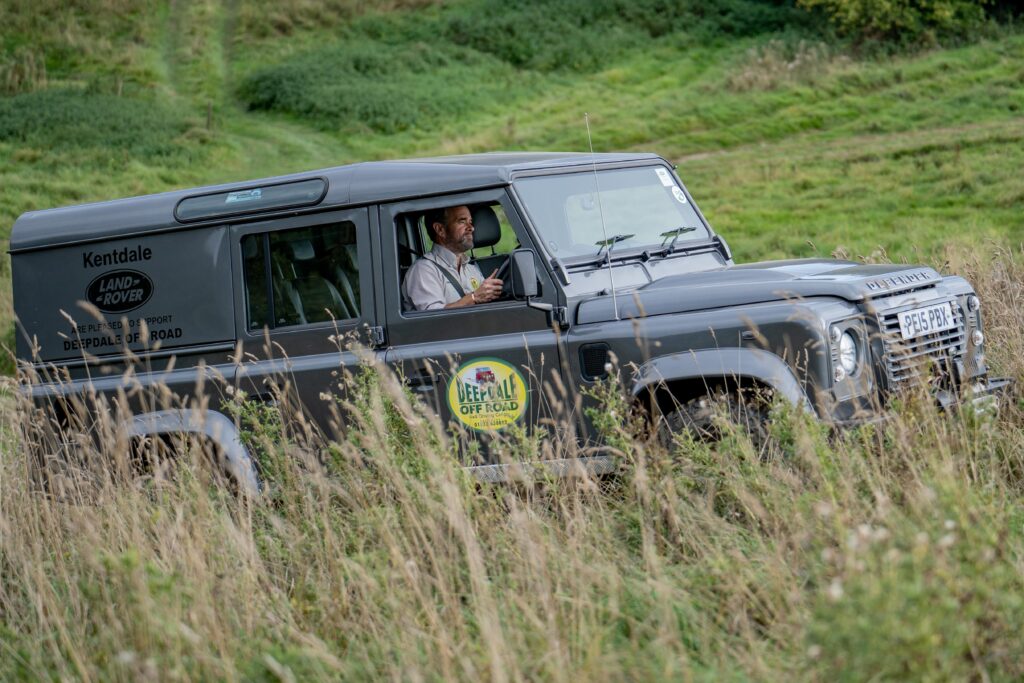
560,314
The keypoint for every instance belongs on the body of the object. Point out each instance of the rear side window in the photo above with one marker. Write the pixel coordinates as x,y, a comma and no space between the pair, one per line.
252,200
302,276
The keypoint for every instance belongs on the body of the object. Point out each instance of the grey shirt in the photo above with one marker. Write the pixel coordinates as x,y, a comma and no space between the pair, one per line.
426,288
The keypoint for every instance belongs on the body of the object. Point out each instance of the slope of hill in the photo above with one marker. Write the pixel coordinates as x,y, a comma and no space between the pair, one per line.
792,146
190,93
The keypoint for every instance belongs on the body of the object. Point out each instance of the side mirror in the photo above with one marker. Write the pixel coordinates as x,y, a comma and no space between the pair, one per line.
524,274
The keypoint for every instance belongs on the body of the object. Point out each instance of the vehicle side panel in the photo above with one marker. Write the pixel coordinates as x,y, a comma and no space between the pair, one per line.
164,291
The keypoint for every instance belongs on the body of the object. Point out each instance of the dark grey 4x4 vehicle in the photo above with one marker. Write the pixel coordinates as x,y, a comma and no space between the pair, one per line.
605,257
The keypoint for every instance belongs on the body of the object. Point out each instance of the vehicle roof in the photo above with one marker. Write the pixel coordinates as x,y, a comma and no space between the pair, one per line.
352,185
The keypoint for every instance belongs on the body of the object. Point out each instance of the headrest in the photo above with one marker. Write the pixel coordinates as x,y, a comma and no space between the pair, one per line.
346,255
486,228
302,250
251,247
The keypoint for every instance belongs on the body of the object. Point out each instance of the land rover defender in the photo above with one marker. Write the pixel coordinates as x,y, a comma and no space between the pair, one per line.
605,257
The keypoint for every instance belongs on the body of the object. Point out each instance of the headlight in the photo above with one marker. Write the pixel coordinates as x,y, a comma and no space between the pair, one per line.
973,303
849,354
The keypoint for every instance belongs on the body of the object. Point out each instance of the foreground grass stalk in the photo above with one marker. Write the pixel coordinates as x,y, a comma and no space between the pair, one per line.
888,551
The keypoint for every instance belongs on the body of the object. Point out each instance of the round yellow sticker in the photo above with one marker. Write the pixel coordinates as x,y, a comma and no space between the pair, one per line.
487,394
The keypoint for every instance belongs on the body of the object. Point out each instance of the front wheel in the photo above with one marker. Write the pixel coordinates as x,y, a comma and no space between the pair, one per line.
709,418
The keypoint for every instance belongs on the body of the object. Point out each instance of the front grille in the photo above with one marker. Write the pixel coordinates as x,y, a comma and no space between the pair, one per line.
906,359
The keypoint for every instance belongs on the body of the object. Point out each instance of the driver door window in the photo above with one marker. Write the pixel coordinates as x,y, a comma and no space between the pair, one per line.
494,238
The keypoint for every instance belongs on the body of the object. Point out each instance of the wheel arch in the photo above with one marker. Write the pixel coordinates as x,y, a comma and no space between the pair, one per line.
679,377
208,424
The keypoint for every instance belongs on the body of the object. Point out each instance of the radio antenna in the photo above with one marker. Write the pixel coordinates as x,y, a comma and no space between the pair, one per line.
600,210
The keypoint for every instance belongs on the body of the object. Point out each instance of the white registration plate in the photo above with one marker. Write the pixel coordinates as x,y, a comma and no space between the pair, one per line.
926,320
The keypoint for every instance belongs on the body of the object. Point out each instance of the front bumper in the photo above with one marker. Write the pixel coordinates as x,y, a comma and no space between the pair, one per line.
983,396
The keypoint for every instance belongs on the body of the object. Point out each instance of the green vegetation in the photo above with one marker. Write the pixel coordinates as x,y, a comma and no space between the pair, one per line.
887,552
392,72
906,20
67,119
359,85
892,552
775,128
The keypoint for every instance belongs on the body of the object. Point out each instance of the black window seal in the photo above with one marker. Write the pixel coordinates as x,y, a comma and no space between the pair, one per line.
268,273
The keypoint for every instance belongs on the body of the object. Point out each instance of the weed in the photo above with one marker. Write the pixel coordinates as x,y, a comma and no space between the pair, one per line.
23,71
773,63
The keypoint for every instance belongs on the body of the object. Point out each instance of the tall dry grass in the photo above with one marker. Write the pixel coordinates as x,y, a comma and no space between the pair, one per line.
777,63
893,551
22,71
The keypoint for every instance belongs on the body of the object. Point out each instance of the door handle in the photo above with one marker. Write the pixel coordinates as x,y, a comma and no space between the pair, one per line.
423,381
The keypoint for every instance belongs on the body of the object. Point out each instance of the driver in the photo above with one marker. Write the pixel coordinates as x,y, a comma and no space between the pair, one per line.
444,278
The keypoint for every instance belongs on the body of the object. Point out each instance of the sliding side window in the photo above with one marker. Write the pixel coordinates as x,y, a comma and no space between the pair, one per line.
302,276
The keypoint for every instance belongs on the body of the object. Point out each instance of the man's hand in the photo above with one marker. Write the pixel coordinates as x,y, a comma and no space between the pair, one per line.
489,289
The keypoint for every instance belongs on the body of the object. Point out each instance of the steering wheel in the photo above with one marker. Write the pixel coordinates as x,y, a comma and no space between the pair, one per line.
504,268
503,274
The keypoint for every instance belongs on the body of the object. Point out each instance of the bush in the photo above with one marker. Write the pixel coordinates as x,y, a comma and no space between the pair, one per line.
583,35
557,35
903,20
384,87
56,119
389,72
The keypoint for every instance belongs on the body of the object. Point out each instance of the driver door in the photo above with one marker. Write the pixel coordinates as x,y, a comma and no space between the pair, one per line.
482,368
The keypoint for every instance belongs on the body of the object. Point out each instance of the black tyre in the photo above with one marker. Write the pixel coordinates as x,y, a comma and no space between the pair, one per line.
707,418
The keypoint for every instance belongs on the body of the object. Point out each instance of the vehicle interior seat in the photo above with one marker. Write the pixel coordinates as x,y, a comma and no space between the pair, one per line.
288,308
409,245
256,284
316,294
486,233
346,275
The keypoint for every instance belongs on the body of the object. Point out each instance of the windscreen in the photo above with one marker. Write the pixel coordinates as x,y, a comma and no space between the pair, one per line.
576,214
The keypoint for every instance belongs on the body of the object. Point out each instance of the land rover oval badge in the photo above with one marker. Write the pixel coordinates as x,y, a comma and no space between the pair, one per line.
119,291
487,394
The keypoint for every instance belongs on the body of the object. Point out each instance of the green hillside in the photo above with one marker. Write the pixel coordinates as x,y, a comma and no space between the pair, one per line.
794,141
784,138
793,146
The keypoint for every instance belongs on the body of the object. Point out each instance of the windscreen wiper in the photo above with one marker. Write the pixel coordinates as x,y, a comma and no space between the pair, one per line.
608,244
674,234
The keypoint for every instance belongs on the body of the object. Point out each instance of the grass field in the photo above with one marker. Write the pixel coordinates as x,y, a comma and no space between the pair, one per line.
893,552
886,552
